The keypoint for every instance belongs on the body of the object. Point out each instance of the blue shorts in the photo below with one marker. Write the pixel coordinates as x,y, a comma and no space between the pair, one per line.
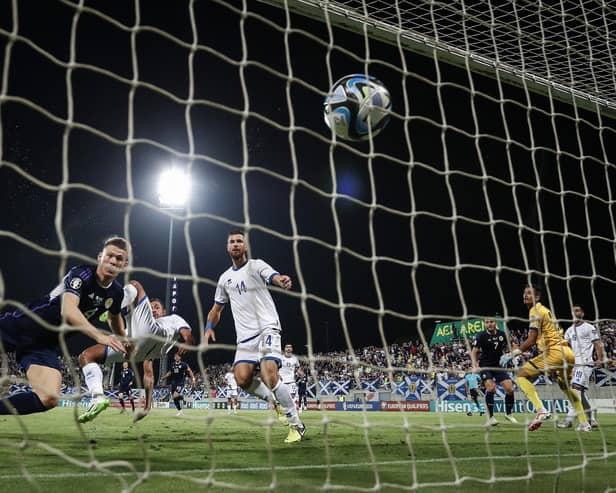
124,389
42,357
177,387
33,343
497,376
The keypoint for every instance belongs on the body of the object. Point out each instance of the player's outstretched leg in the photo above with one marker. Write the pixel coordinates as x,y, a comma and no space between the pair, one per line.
296,427
94,381
542,413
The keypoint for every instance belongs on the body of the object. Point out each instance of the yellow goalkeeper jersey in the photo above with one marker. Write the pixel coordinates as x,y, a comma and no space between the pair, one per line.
549,334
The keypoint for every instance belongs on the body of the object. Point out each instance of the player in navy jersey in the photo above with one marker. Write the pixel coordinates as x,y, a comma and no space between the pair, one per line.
127,377
152,334
177,377
84,294
301,380
490,346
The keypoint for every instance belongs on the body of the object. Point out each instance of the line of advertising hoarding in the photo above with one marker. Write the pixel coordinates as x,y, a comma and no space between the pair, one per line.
604,406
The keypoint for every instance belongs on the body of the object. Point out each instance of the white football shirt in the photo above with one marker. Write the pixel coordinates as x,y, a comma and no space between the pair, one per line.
245,288
287,370
582,338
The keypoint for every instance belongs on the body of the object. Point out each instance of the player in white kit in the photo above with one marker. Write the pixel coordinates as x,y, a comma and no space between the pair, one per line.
288,365
152,334
231,392
257,327
584,339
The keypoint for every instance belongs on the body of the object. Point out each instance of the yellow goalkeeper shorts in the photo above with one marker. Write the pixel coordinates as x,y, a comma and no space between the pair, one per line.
556,361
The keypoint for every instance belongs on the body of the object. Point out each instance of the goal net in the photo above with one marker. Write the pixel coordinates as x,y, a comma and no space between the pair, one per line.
496,170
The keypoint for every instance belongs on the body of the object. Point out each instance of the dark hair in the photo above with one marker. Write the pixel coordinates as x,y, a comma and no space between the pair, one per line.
536,289
579,306
117,241
152,300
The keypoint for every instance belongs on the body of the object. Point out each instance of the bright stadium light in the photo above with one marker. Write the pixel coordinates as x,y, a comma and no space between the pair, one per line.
173,188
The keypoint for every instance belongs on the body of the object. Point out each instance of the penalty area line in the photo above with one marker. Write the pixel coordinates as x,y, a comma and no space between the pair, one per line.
88,474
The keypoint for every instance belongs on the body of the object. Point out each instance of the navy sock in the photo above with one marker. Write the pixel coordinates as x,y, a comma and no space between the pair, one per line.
177,404
122,404
509,402
24,403
490,403
132,404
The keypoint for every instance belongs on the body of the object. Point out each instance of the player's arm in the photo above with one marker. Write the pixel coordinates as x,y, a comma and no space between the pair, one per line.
530,341
166,376
599,353
191,374
213,317
282,281
474,360
188,338
116,324
75,318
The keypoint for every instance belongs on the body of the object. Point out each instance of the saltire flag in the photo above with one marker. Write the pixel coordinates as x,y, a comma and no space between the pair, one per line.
311,390
340,387
451,389
605,377
371,385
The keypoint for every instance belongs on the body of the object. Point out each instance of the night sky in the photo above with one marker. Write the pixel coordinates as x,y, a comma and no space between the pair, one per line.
450,199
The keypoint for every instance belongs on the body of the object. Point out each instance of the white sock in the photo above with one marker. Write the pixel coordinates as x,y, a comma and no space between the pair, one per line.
281,391
94,378
258,388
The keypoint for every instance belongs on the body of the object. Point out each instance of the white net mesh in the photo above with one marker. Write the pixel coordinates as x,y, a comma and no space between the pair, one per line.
496,169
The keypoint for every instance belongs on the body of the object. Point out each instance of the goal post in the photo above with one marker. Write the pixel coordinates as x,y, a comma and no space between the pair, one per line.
494,39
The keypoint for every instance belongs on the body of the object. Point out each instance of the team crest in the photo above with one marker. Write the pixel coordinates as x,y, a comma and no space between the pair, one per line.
76,283
108,303
412,387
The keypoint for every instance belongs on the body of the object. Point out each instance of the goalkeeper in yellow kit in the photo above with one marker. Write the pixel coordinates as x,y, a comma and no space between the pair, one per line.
555,358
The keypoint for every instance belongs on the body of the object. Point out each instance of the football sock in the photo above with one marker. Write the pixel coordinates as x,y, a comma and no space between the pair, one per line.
122,403
509,403
258,388
490,403
176,401
132,404
94,378
574,398
281,391
529,389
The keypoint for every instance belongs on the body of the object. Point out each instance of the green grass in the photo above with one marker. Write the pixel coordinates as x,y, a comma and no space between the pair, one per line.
211,451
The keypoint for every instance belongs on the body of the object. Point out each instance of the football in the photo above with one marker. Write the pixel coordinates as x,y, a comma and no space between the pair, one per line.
357,106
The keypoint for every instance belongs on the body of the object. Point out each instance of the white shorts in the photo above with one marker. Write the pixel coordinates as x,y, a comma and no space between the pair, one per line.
265,345
231,392
292,388
581,376
141,329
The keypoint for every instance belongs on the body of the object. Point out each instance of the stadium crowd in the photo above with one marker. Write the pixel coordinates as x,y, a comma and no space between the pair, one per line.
410,357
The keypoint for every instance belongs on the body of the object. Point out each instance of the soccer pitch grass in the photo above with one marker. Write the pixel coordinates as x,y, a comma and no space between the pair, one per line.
212,451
